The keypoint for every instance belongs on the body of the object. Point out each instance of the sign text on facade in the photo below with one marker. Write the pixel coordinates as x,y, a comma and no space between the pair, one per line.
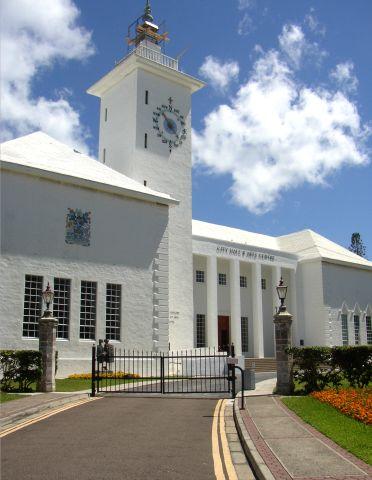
248,254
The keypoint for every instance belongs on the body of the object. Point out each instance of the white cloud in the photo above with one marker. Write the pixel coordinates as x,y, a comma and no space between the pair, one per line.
313,23
278,134
246,25
246,4
34,36
343,76
296,47
219,74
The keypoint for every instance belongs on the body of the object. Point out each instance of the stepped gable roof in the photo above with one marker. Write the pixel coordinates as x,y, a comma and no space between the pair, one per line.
233,235
41,155
309,245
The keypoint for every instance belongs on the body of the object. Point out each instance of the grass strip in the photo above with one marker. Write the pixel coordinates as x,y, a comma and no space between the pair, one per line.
350,434
7,397
73,385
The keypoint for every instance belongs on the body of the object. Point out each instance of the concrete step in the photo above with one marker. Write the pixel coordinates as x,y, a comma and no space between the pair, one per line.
261,364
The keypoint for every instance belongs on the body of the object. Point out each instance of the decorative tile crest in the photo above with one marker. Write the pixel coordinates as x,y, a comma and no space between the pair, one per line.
78,227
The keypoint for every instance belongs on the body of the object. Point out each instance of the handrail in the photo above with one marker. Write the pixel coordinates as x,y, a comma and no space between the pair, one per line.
154,56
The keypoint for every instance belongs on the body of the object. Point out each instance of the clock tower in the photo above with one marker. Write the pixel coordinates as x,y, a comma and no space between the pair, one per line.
145,133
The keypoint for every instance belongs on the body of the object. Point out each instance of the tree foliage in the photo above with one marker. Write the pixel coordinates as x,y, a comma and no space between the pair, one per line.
356,245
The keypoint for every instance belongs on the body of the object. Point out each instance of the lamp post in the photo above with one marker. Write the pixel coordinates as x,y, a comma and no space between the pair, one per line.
47,342
283,340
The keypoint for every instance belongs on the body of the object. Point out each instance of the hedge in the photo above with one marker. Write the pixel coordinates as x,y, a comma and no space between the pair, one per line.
317,367
19,369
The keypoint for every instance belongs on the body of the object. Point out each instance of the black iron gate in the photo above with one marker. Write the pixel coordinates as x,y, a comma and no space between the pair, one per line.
187,371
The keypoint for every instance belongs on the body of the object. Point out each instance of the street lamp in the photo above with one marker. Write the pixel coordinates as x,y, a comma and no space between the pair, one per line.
282,293
48,296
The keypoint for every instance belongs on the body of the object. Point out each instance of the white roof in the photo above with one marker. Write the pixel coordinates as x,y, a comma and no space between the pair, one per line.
310,245
233,235
306,245
40,154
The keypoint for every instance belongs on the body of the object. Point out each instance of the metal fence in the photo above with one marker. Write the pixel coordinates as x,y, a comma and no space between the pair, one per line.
186,371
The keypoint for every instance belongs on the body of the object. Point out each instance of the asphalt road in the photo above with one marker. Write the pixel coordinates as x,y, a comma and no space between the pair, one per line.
116,438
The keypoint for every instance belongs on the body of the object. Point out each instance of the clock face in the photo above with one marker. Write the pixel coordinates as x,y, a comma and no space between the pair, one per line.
169,124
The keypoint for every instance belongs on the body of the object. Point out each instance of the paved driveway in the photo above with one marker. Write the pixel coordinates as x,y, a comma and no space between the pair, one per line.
116,438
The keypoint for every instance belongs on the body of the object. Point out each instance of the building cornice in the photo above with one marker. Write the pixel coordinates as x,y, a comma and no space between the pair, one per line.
131,63
86,183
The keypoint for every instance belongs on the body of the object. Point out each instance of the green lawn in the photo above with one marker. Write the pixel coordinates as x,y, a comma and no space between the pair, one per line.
350,434
7,397
72,385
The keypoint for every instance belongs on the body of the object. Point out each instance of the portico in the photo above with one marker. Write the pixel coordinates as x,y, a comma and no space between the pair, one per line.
235,294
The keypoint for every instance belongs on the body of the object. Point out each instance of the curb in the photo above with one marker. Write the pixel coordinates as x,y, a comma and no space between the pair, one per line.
16,417
260,468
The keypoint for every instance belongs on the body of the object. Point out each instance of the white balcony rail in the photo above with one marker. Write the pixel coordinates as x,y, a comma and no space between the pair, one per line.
154,56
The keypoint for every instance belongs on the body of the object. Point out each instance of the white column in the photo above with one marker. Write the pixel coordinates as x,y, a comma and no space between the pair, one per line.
275,279
258,339
293,303
235,310
212,306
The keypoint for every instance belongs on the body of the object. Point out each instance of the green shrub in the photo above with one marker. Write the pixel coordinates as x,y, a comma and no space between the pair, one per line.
312,366
22,367
355,364
317,367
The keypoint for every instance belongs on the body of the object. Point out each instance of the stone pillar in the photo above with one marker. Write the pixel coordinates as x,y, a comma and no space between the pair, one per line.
47,347
283,340
235,308
258,338
212,307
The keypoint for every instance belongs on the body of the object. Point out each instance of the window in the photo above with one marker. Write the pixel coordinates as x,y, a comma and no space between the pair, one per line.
61,305
243,282
88,310
369,330
199,276
146,97
113,311
222,280
104,155
244,334
344,329
357,329
32,306
105,114
263,283
145,140
200,331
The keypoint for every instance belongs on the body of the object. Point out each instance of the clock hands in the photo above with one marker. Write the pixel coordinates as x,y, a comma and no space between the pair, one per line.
170,123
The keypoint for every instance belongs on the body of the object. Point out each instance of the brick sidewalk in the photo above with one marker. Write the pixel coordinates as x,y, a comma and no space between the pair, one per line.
292,449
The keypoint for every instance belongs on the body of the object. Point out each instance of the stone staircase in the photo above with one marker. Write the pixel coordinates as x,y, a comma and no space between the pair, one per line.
261,364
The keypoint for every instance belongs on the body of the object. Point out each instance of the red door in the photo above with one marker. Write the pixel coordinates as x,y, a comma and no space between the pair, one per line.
223,333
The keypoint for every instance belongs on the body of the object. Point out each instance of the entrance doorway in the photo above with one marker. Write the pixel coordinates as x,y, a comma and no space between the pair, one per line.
223,333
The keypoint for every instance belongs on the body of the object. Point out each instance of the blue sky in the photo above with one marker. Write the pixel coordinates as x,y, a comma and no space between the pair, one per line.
308,55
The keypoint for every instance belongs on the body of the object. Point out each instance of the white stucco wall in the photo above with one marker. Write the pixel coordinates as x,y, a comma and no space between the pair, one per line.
33,219
313,315
346,290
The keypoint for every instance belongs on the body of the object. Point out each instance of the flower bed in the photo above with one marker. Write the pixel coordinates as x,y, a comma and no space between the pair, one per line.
351,402
113,375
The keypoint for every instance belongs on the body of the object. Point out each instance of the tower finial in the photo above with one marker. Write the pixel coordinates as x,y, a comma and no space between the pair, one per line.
147,13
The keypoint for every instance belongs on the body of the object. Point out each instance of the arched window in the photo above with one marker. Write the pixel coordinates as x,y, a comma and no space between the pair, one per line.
369,324
344,324
356,319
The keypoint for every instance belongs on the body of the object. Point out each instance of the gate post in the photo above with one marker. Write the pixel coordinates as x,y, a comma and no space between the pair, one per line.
162,373
93,394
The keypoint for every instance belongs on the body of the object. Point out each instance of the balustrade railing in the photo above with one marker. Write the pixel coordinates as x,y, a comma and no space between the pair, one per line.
154,56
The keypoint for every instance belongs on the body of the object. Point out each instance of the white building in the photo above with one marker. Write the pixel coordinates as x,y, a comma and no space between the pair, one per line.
116,241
